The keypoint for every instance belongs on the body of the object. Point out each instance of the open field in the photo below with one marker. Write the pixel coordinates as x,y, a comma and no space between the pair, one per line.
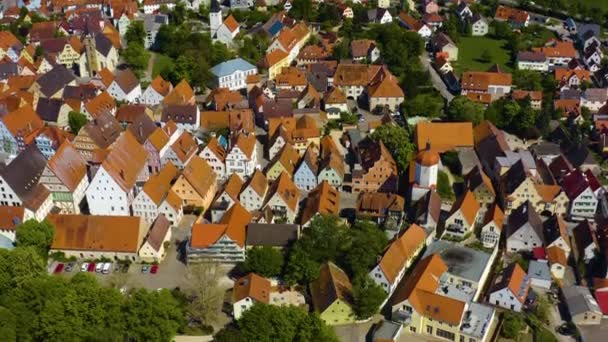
470,50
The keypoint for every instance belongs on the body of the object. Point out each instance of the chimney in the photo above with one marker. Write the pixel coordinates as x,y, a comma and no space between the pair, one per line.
122,174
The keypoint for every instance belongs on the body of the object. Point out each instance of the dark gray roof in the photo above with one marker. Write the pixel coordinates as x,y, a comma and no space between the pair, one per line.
48,109
578,155
103,130
79,92
525,213
463,262
513,177
545,149
531,56
55,80
583,236
8,69
579,300
23,173
551,230
273,235
141,127
103,44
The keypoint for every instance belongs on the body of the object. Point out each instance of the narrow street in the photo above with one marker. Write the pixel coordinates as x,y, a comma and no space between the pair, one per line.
437,81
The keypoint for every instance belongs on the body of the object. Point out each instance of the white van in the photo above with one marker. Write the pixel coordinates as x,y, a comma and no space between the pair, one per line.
106,267
99,267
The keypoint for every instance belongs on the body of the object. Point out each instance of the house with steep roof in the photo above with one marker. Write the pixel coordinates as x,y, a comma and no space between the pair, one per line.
98,236
516,17
196,186
52,83
157,197
254,192
331,169
517,186
285,161
444,136
21,183
65,176
215,155
114,186
332,295
364,49
242,158
153,248
227,196
223,242
16,125
398,257
155,144
282,198
290,40
427,304
305,172
558,53
414,25
10,218
125,87
524,229
480,184
463,216
532,60
558,261
233,74
567,78
511,289
583,308
275,61
443,44
583,190
384,91
186,116
101,54
491,226
381,208
156,91
97,135
182,94
375,169
247,291
496,83
53,112
584,241
594,98
180,151
102,103
427,214
334,103
299,133
322,200
555,234
379,16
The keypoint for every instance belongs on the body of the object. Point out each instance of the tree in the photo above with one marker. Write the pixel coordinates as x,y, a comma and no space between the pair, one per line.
397,140
367,242
428,105
302,10
76,120
18,266
444,187
8,325
135,33
527,80
39,235
265,261
502,30
265,323
463,109
367,296
136,56
203,293
152,316
513,324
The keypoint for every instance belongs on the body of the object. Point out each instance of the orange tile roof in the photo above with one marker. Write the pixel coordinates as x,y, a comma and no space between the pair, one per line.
106,76
251,286
181,94
11,217
258,182
185,146
556,255
200,175
306,128
246,143
288,123
291,77
522,94
494,214
125,161
335,96
481,80
419,289
287,190
558,49
101,103
288,157
231,23
158,186
548,192
204,235
333,284
386,86
22,121
512,14
161,86
274,57
158,138
515,279
400,251
97,233
444,136
485,99
468,206
7,40
566,74
68,165
237,218
233,186
322,200
214,146
20,82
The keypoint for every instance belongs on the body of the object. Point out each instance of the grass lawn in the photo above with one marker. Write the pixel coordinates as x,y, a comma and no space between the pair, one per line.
470,50
603,4
161,62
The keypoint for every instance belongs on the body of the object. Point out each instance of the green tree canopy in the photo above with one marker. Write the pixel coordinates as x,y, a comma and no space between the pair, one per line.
76,120
463,109
368,296
135,33
397,140
265,261
428,105
136,56
35,234
152,315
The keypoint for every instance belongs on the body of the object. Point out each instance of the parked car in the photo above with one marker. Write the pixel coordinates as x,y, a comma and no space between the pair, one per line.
106,267
154,269
91,267
59,267
69,267
84,267
145,269
99,267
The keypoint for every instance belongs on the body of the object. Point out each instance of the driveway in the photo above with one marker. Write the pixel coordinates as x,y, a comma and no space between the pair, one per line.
435,78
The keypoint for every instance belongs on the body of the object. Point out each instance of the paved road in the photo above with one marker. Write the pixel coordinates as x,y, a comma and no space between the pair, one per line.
437,81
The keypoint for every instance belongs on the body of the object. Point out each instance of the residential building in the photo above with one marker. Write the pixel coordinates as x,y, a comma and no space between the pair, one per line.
385,92
279,236
223,242
186,116
584,241
282,198
331,169
463,216
583,308
423,172
383,208
233,74
247,291
305,174
441,43
539,274
516,17
532,60
180,151
157,197
254,192
156,91
524,229
558,262
153,249
535,97
375,169
415,25
98,236
332,295
152,24
444,136
196,186
491,226
594,98
15,126
511,289
497,84
321,201
215,155
428,210
285,161
181,95
99,53
125,87
555,234
379,16
65,176
583,191
10,218
397,258
479,25
97,135
517,186
242,156
558,53
364,50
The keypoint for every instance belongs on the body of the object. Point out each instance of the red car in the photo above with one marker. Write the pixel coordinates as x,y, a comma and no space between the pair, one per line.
91,267
59,268
154,269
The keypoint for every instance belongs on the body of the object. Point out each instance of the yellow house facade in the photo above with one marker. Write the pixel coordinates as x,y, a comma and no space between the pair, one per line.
190,196
526,191
339,312
68,56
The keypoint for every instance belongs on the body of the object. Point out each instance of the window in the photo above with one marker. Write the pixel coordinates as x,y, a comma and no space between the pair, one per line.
446,334
429,330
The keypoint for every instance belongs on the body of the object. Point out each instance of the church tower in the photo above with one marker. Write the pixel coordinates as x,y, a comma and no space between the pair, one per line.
215,17
427,165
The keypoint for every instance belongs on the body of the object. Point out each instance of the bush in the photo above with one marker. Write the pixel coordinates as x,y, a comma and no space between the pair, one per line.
513,323
444,188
